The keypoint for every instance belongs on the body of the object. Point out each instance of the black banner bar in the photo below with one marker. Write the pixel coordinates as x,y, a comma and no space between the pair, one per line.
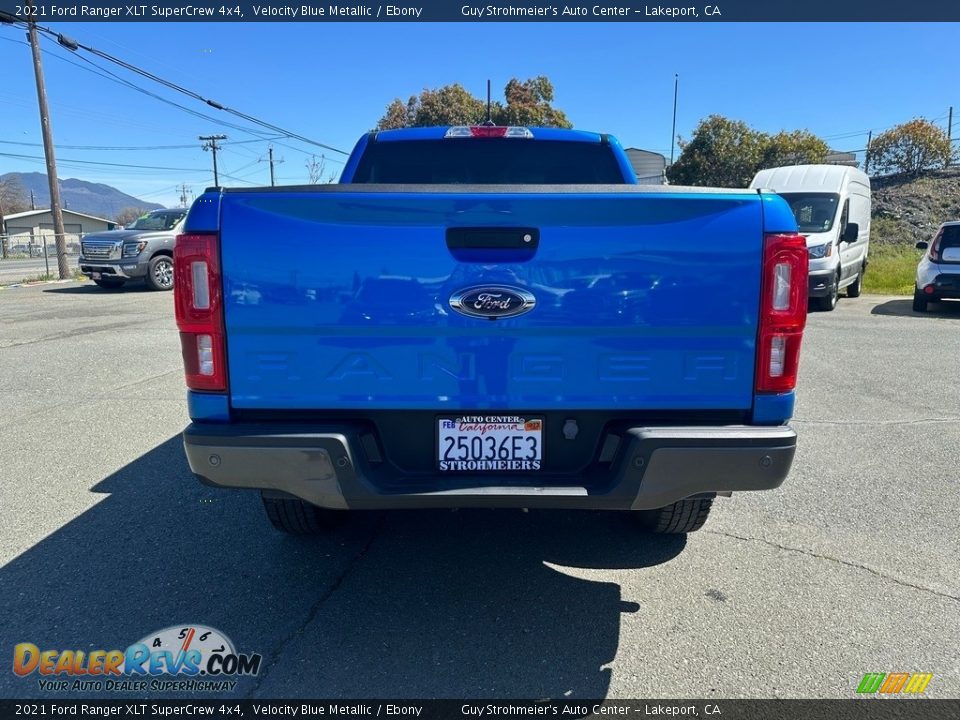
45,11
854,709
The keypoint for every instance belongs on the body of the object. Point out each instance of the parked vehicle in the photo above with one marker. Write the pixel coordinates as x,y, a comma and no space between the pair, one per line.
144,250
938,273
832,206
490,317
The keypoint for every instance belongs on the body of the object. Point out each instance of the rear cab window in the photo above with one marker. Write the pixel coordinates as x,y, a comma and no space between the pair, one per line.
489,161
950,244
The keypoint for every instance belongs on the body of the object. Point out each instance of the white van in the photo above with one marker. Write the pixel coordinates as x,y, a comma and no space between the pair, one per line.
832,207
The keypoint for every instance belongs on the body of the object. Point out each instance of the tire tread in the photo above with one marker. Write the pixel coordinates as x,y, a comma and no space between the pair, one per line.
685,516
298,517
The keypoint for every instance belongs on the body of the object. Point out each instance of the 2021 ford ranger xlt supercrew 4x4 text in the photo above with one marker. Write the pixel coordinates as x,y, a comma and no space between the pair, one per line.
490,317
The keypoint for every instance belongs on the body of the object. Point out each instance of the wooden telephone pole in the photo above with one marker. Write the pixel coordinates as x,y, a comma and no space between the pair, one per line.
56,208
210,143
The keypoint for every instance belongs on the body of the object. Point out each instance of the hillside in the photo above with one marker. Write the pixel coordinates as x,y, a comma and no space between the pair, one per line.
86,197
907,209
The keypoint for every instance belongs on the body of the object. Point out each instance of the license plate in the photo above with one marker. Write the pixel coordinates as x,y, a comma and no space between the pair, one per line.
483,443
95,276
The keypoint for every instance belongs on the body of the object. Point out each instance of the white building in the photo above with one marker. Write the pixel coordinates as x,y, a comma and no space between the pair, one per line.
32,227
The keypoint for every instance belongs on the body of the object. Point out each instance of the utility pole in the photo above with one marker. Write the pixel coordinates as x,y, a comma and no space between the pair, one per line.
950,134
272,163
673,130
186,196
210,143
33,205
866,157
55,207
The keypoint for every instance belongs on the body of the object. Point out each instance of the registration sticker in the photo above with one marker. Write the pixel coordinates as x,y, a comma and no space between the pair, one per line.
483,443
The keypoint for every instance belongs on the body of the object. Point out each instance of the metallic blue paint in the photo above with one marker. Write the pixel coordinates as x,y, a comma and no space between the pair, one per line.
208,407
204,215
773,409
777,216
644,301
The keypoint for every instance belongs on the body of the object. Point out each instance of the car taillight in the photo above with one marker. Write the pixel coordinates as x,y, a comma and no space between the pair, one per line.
488,131
198,303
934,251
783,312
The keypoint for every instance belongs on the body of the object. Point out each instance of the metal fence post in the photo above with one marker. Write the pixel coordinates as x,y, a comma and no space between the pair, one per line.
46,257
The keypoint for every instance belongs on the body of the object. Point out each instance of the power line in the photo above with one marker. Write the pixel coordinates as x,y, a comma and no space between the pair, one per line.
96,162
74,45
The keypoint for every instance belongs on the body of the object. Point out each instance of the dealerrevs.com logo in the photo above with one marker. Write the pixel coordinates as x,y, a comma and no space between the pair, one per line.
180,658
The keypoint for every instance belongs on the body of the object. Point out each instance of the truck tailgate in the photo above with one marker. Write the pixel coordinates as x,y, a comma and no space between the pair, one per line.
338,299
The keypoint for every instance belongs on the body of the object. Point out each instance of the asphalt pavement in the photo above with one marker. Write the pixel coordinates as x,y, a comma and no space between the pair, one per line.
853,566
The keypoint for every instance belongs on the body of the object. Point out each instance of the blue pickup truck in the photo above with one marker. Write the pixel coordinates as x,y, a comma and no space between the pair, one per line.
490,316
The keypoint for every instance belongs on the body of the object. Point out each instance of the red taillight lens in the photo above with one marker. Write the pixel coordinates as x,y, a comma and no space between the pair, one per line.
934,250
783,312
198,302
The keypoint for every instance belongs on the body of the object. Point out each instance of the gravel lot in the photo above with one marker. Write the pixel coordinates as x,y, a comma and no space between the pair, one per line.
852,567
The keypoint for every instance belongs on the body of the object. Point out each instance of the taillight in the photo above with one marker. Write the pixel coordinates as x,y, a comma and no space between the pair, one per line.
488,131
934,251
198,303
783,312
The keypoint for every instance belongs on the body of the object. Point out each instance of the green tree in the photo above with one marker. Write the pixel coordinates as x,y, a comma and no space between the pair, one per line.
910,148
721,153
800,147
728,153
529,102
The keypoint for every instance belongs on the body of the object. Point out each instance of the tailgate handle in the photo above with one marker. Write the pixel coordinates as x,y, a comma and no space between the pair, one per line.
493,244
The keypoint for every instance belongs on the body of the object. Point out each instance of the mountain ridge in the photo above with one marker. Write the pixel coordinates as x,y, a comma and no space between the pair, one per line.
97,199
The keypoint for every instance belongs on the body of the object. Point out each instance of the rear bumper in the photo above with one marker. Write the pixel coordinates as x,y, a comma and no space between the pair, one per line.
650,467
946,286
115,269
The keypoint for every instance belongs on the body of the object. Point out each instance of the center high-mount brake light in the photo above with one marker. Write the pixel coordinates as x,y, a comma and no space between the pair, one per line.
488,131
198,303
783,311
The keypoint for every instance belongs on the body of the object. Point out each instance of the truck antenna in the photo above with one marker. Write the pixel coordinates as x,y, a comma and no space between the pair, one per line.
489,121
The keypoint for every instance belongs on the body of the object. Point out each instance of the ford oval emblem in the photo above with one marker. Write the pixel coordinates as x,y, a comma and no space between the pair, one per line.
492,302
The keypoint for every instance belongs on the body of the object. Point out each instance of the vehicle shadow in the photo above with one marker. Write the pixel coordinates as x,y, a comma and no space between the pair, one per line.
91,289
449,604
904,308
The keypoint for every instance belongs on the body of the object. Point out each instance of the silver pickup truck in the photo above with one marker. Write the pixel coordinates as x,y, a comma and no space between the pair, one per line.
144,250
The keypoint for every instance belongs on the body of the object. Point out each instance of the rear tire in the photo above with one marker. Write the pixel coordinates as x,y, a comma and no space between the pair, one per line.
687,515
853,291
109,284
160,273
919,301
297,517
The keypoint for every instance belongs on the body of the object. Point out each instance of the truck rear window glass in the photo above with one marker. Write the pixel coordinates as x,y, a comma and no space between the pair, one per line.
486,161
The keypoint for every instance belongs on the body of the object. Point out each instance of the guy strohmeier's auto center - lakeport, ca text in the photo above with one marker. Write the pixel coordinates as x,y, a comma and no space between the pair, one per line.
371,11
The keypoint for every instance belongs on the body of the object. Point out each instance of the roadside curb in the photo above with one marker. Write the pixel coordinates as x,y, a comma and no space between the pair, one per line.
37,282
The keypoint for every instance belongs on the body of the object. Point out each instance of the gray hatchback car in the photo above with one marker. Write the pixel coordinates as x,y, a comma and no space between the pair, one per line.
143,250
938,273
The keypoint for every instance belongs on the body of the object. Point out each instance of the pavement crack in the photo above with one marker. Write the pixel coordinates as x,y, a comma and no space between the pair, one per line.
311,615
840,561
878,423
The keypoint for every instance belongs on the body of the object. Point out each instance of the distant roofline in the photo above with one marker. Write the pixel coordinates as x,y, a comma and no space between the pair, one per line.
28,213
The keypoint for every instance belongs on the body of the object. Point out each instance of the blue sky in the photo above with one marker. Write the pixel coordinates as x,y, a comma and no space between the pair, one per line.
331,82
